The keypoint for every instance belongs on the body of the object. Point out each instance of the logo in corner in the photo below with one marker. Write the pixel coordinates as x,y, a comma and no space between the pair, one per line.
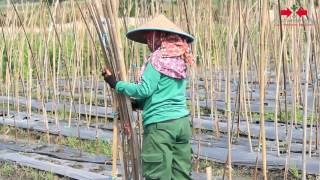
294,16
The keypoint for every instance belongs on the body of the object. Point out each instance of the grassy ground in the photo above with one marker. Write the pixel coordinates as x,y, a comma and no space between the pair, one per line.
248,172
10,171
7,170
104,147
270,116
92,147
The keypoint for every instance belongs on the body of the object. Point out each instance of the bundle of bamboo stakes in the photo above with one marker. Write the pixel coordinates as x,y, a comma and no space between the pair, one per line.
115,62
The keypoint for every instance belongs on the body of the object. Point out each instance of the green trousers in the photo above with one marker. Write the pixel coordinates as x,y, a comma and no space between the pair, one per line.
166,151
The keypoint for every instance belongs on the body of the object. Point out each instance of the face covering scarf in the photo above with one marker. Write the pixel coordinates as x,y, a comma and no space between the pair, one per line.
170,54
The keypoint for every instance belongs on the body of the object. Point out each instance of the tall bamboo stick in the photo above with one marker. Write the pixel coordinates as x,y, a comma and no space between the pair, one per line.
125,111
263,58
277,97
228,89
305,108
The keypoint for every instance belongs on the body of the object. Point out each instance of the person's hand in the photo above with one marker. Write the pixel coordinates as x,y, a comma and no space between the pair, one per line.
109,78
135,105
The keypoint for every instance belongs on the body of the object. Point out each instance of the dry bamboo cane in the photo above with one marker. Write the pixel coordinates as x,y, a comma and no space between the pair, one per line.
29,93
106,96
12,84
55,90
305,109
198,110
317,141
96,78
228,90
215,125
40,91
90,101
209,172
20,62
263,58
94,51
115,141
294,119
317,103
314,99
284,66
247,93
193,70
115,135
243,86
240,64
125,110
61,52
46,41
4,53
5,50
204,54
197,96
132,138
37,66
216,117
255,174
72,90
8,79
8,84
72,85
32,63
55,77
277,96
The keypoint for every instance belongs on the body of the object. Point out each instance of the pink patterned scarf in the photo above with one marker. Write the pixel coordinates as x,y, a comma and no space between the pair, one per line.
170,56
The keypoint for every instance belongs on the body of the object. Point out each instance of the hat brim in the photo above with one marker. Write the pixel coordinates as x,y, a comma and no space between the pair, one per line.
140,34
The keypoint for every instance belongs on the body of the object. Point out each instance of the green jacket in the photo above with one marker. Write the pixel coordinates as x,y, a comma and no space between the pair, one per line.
162,97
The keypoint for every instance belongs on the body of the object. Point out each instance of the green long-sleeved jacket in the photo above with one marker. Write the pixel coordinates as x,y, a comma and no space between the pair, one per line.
163,97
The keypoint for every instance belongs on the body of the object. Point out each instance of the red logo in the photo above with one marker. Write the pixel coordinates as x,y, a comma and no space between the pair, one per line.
293,10
302,12
285,12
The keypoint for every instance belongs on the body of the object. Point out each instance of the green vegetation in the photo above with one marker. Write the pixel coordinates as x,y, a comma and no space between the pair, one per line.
281,117
247,172
11,171
92,147
294,172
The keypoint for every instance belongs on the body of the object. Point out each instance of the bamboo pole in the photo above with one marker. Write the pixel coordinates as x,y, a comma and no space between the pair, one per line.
277,97
243,87
263,58
294,119
209,172
125,111
305,110
31,64
284,66
314,99
228,91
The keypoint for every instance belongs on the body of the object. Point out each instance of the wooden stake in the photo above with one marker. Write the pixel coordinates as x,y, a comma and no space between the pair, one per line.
263,58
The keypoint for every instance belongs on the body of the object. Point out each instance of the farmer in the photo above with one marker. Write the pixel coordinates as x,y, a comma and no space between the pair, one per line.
166,150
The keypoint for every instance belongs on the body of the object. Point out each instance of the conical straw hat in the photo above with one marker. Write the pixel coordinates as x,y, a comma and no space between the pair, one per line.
159,23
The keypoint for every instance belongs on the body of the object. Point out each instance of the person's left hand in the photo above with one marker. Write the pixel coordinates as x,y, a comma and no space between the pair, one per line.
109,78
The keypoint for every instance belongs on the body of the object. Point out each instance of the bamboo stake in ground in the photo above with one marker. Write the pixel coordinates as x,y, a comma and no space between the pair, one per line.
228,91
305,108
277,97
263,58
114,142
209,172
